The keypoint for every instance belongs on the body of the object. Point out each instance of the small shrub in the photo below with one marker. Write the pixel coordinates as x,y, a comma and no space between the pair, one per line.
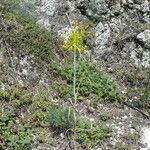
90,137
41,101
120,146
42,136
63,89
60,118
89,81
38,108
144,101
15,96
87,132
104,116
38,118
4,96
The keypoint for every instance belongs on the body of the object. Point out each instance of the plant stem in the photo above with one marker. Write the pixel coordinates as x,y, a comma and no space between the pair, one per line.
74,77
74,87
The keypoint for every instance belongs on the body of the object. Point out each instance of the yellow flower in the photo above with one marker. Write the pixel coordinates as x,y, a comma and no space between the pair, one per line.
76,37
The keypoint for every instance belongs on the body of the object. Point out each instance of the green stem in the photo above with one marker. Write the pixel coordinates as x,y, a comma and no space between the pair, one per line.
74,78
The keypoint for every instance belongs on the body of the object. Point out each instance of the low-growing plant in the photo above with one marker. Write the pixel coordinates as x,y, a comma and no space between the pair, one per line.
90,137
63,89
38,118
43,137
41,101
60,118
87,132
16,96
120,146
90,134
104,116
144,100
13,135
90,80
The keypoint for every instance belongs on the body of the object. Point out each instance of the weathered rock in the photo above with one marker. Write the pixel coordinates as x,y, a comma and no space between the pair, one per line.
145,7
145,38
102,36
94,9
41,10
145,138
43,147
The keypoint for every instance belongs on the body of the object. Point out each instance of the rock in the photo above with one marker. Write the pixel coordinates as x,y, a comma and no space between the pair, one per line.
43,147
94,9
139,1
145,138
42,10
146,19
145,7
145,38
102,35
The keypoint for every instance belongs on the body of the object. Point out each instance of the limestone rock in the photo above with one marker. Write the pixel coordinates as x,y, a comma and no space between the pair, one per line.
94,9
145,38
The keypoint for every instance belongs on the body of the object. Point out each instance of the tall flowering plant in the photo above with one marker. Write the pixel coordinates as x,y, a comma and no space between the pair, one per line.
74,41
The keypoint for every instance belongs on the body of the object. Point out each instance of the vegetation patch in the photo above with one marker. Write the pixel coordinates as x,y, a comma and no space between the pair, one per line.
23,34
60,118
141,92
144,100
90,134
87,132
104,116
22,114
89,81
14,135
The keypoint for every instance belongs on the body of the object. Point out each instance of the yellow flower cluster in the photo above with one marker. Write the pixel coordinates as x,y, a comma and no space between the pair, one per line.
76,37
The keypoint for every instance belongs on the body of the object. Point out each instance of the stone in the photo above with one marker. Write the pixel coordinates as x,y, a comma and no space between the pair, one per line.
94,9
145,138
102,35
145,7
145,38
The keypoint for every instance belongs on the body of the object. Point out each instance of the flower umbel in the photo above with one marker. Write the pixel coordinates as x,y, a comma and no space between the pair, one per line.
76,37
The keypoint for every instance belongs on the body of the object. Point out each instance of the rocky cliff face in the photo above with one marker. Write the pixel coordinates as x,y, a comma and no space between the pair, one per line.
120,45
121,28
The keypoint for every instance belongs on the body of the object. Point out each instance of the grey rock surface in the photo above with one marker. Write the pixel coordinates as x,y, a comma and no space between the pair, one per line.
145,38
94,9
